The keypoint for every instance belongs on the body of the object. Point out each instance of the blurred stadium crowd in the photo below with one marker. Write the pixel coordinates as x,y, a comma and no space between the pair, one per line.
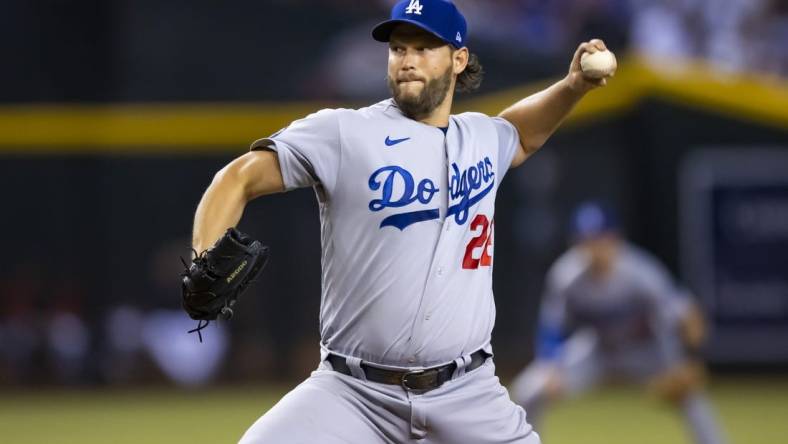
536,36
51,327
299,49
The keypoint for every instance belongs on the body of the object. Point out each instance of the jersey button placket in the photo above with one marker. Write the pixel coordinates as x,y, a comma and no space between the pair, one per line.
435,275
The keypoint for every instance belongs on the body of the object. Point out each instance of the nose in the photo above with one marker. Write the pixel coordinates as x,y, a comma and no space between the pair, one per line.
408,60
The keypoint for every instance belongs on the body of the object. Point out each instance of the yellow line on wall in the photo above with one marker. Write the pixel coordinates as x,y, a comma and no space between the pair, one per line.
208,127
149,127
744,96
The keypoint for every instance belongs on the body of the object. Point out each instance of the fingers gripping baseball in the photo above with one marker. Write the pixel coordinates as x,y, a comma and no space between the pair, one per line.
592,64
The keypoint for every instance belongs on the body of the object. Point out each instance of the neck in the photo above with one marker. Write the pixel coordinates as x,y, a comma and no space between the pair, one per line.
439,117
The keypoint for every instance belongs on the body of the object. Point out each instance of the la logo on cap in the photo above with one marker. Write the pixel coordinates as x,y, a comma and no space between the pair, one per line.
414,7
459,37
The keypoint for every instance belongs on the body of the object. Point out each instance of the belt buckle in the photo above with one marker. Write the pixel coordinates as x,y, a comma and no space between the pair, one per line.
404,380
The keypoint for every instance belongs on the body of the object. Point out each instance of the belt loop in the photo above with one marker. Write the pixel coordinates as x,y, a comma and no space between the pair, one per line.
354,364
461,362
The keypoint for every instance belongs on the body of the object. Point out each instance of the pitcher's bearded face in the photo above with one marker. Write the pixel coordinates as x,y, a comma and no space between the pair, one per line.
418,98
420,70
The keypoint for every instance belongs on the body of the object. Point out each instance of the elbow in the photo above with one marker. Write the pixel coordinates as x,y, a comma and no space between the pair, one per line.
232,179
225,176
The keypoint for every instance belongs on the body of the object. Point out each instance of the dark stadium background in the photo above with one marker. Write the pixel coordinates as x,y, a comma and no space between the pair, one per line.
114,116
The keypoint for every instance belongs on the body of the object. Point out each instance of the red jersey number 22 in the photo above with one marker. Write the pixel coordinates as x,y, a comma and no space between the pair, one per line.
483,240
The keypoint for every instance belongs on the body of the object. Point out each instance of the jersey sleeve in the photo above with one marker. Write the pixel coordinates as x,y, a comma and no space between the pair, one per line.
309,150
554,319
508,144
552,329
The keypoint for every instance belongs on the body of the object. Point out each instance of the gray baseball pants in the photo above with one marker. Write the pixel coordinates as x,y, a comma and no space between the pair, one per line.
333,408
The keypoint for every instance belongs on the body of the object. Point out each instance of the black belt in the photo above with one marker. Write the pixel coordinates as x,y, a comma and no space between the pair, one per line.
422,380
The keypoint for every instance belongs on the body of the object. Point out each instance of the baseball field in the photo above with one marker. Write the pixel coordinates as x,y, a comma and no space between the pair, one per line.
753,411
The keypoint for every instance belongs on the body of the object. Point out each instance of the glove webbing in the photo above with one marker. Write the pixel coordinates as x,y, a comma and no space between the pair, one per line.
227,311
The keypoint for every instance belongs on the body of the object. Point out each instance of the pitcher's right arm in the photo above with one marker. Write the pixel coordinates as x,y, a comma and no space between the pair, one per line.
249,176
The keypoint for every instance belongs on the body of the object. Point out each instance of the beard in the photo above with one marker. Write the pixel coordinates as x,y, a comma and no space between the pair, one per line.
422,105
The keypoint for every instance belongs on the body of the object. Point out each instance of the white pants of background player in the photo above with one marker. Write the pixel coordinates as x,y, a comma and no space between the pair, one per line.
581,364
333,408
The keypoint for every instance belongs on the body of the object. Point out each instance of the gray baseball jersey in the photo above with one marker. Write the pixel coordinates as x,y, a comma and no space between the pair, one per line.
407,236
407,228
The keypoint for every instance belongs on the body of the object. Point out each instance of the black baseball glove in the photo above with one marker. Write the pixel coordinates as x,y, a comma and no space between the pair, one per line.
217,277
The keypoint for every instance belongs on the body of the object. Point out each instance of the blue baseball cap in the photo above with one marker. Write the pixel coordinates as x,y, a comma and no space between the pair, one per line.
592,219
438,17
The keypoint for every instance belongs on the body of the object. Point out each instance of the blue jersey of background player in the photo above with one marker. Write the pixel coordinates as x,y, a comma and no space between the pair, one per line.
612,311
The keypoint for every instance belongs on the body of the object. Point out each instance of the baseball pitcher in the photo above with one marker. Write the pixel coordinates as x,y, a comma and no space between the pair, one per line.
406,193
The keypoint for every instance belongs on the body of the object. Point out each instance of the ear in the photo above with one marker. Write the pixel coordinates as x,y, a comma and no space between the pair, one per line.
460,60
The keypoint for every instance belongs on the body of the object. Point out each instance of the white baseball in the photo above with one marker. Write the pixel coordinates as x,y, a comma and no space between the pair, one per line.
599,64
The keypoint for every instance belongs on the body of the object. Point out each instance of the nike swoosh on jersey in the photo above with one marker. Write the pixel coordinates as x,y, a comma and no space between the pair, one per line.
392,142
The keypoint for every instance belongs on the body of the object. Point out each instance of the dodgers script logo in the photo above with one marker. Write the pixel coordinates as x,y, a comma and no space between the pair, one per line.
467,187
463,184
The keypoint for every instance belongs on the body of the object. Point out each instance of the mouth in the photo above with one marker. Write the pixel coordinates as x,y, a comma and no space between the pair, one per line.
404,81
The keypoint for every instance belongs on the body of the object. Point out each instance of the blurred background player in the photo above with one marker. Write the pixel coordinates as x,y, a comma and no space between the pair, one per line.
612,312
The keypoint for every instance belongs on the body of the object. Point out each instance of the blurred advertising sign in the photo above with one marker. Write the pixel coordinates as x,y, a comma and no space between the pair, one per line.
734,249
